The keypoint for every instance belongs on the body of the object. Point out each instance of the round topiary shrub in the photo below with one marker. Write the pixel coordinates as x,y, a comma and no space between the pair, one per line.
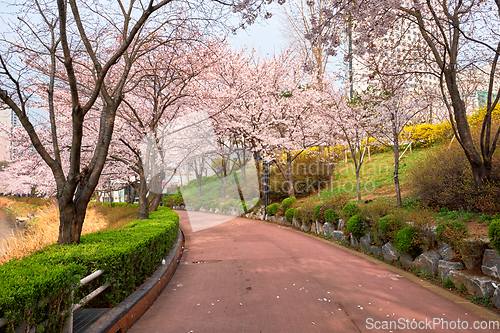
255,201
197,207
409,240
317,211
271,210
389,227
356,226
452,232
350,210
332,216
287,203
296,212
494,234
289,214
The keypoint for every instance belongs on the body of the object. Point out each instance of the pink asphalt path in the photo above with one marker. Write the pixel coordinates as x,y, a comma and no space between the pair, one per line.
251,276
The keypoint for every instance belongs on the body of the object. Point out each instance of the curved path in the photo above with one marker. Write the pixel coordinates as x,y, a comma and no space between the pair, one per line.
251,276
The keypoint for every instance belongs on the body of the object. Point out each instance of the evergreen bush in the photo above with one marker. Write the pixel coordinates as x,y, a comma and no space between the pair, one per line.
494,234
271,210
356,226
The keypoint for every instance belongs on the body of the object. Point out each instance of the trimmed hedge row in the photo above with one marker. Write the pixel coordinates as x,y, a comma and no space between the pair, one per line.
37,289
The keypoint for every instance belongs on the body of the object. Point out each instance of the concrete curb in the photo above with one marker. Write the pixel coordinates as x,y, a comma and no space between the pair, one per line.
479,310
123,316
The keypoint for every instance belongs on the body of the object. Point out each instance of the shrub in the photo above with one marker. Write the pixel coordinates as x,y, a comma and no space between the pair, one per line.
287,203
306,211
43,281
225,206
332,216
452,232
350,210
271,210
255,201
356,226
289,214
409,240
296,213
106,204
389,227
168,201
197,207
443,178
494,234
179,200
376,209
317,212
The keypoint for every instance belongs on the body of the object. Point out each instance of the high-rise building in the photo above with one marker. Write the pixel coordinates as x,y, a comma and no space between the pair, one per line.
402,50
8,119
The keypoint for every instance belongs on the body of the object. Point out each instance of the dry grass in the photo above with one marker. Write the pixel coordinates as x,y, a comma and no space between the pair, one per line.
44,229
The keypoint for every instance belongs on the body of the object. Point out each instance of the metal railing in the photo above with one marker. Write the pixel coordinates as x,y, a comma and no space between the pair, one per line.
68,328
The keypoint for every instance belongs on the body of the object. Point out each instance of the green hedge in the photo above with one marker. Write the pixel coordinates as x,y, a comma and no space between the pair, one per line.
37,288
272,210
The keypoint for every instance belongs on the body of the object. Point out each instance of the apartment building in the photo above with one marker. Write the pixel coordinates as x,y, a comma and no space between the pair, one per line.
9,119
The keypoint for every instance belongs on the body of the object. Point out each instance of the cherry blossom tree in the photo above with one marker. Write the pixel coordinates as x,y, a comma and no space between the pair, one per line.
453,36
72,38
394,108
276,111
351,122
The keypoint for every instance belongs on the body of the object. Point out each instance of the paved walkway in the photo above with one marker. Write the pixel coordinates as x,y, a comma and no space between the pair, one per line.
250,276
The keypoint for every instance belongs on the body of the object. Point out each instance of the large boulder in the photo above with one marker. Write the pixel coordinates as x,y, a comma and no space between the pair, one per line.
444,268
390,252
296,223
406,260
365,242
341,224
491,263
446,252
496,297
338,236
376,250
319,228
354,242
476,285
328,228
306,226
427,262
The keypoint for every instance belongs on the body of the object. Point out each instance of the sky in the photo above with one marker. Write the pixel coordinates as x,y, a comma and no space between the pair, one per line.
265,36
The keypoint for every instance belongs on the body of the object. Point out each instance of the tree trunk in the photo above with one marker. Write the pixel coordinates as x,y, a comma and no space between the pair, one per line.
289,176
223,186
142,192
358,184
259,177
396,173
243,175
131,195
198,180
71,219
480,171
154,202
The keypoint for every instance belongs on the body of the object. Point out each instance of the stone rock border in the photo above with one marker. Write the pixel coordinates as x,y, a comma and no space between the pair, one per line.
124,315
429,262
